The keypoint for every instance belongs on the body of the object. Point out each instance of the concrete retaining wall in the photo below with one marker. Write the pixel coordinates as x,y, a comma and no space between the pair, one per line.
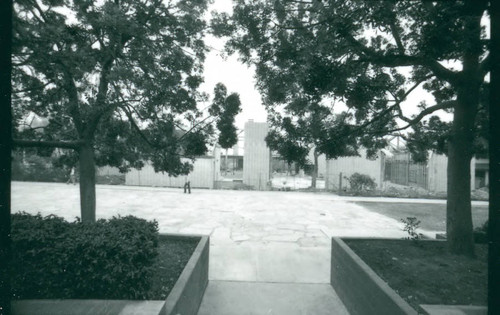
359,288
185,298
86,307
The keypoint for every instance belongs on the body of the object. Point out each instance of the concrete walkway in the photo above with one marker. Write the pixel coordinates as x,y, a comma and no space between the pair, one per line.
266,238
230,298
254,235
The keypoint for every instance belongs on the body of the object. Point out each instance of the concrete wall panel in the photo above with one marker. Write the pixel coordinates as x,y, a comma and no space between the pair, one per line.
257,158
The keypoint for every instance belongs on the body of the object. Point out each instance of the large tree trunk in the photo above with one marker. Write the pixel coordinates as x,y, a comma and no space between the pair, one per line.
458,206
460,152
87,182
315,169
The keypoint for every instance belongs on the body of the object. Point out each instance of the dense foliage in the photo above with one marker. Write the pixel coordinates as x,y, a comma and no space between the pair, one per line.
225,108
108,73
108,259
31,167
370,57
117,82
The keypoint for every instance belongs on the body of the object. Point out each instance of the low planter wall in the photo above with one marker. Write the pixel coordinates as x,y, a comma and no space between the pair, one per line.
361,290
185,297
86,307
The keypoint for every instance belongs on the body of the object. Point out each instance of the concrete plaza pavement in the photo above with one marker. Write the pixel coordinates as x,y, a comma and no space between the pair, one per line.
230,298
267,238
255,235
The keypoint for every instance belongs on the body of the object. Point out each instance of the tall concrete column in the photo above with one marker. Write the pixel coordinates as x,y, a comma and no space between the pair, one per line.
257,156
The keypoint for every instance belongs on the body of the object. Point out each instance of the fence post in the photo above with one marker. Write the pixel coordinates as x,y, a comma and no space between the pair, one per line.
340,181
327,175
408,170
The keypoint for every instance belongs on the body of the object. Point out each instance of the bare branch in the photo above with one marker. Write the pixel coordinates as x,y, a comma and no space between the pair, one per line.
104,82
397,37
132,121
42,13
425,112
484,66
396,106
376,118
300,2
196,125
73,103
391,60
179,126
417,84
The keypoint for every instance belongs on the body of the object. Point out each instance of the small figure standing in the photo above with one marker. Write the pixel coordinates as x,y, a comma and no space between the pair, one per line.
72,176
187,186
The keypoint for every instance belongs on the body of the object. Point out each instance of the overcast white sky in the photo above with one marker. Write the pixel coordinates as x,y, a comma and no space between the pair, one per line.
237,78
233,74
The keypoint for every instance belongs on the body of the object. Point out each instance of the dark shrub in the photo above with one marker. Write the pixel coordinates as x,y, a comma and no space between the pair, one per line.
361,182
110,179
37,169
109,259
481,233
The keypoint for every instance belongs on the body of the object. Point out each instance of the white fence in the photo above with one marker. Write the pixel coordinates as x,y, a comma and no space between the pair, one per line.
353,164
206,170
438,172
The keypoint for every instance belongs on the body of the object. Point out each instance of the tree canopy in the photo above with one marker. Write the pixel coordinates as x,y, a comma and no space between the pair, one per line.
358,52
117,80
225,108
117,72
295,131
372,55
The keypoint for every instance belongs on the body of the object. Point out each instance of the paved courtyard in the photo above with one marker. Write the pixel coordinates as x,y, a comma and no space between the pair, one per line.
255,236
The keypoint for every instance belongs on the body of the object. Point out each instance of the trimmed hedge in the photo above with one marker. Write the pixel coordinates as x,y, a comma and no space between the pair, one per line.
109,259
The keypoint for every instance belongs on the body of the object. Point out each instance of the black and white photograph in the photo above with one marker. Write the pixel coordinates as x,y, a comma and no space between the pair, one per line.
248,157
